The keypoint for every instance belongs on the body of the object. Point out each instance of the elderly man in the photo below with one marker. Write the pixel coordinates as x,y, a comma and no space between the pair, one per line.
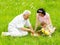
16,26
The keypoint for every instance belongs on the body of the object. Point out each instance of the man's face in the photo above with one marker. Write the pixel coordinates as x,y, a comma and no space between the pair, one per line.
26,16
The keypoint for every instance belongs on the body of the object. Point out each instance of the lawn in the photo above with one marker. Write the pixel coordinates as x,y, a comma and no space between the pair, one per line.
11,8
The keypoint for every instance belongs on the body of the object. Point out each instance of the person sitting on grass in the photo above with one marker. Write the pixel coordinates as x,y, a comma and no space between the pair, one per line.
16,26
46,29
43,16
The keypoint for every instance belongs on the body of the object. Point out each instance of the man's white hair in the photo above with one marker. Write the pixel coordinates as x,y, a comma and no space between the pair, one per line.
26,12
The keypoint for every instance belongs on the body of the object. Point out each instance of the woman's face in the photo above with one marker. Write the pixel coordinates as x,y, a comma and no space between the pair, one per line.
40,14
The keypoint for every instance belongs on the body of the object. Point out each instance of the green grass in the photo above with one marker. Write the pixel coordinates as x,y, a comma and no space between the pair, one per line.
11,8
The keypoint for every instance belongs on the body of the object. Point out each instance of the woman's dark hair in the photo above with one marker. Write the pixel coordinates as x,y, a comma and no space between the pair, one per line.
41,10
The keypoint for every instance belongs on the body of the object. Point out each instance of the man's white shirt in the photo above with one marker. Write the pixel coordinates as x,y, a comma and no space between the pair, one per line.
19,22
15,25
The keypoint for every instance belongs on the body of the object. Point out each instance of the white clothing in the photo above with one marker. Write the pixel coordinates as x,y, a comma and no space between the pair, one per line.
15,25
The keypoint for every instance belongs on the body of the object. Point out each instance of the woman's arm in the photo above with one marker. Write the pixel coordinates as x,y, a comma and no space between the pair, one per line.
49,20
37,23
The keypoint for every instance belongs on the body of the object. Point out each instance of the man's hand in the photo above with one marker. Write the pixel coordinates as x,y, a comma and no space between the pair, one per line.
32,31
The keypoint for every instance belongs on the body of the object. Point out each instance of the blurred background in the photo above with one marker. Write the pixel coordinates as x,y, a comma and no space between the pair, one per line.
11,8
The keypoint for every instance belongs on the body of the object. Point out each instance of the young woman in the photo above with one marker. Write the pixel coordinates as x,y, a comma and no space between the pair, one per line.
43,16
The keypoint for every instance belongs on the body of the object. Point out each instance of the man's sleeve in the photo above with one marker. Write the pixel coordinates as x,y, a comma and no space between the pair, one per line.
20,24
28,23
